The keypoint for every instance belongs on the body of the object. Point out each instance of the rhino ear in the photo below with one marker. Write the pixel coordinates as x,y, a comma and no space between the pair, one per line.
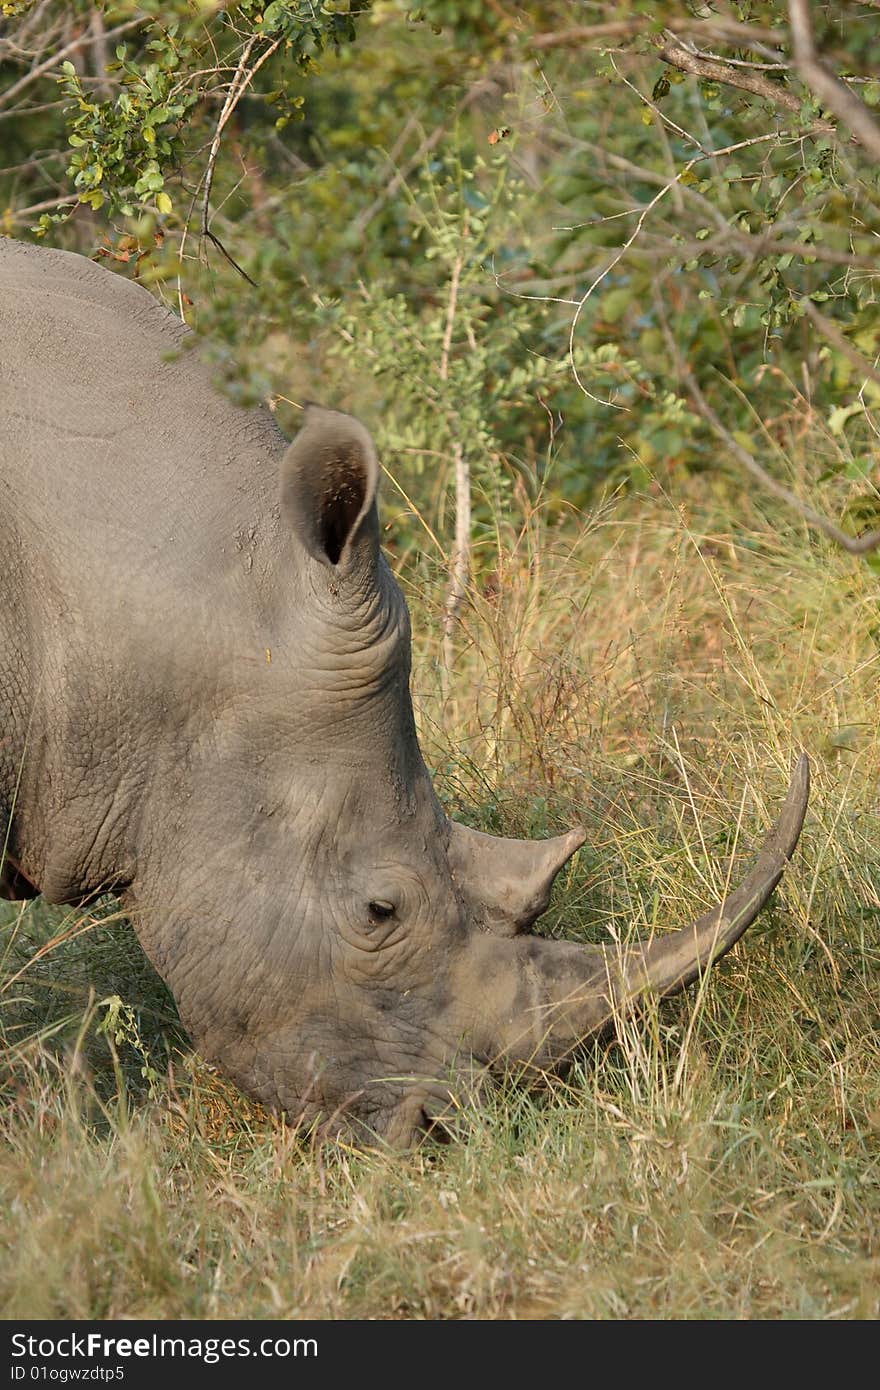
329,481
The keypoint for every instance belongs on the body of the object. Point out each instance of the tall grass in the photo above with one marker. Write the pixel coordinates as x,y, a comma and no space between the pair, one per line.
651,674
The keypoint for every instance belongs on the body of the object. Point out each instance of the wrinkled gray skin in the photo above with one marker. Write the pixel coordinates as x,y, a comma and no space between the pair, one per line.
204,707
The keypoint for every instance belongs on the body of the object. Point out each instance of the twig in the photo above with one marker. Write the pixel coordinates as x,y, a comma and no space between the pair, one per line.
855,545
56,58
744,35
226,111
749,243
241,80
742,62
22,214
825,84
215,241
659,115
596,282
461,553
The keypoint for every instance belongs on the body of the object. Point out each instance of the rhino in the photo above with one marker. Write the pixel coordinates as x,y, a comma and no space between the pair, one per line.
205,710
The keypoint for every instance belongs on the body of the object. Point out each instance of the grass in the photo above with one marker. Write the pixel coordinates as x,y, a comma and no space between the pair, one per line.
651,673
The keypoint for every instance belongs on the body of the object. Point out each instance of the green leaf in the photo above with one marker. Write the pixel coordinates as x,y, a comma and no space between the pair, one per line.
273,15
839,416
862,467
164,203
615,304
847,737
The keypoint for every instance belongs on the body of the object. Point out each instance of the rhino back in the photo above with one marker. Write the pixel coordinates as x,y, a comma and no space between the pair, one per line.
110,425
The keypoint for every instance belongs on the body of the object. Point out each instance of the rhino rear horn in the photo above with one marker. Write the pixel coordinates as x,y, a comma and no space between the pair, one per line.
508,882
329,482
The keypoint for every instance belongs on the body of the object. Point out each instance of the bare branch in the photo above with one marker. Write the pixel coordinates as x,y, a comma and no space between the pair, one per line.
83,40
101,52
825,84
24,214
831,90
241,80
715,29
461,553
226,111
742,62
585,33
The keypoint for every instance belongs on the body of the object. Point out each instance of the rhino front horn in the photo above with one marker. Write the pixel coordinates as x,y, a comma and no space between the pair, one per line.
670,963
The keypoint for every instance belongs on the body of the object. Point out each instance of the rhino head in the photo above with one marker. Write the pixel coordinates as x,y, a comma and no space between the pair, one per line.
331,937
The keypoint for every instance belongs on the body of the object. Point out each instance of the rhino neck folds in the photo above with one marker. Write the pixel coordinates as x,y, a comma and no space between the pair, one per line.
351,652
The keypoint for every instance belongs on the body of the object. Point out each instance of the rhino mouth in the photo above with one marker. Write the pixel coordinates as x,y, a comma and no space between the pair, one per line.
435,1128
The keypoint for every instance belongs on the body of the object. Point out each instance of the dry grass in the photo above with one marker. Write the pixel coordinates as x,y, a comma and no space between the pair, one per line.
653,674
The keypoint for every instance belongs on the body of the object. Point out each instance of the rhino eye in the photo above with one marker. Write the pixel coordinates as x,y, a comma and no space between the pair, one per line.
380,911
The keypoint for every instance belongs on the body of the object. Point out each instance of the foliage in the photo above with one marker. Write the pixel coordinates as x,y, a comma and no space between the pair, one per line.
130,140
646,207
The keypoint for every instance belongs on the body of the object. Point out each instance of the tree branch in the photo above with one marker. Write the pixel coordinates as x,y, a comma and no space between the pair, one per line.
585,33
23,214
718,28
711,70
825,84
83,40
